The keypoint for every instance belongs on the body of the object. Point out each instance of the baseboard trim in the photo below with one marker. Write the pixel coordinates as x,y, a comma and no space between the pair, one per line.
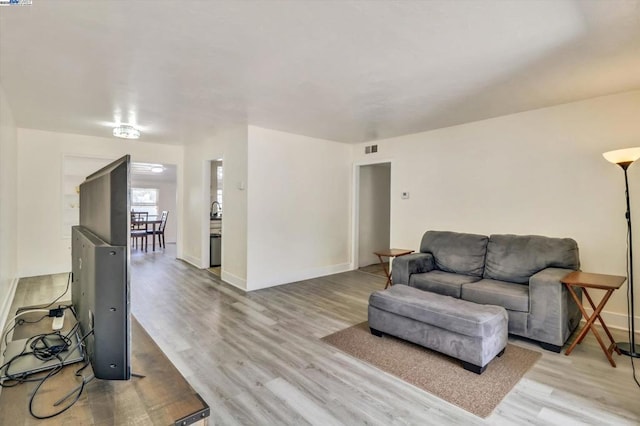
194,261
615,319
234,280
227,277
300,275
4,311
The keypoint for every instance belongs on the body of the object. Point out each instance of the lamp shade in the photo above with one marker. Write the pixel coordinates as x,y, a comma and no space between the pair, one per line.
620,156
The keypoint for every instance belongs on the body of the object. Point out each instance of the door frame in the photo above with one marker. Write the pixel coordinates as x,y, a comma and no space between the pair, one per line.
355,206
206,222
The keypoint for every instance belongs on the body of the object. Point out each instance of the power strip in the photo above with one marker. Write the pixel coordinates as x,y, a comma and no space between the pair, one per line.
58,322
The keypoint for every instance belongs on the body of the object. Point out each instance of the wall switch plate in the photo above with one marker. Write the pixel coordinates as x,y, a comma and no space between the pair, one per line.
374,148
404,195
367,149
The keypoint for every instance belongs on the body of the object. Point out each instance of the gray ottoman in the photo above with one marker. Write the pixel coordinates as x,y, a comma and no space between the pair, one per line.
470,332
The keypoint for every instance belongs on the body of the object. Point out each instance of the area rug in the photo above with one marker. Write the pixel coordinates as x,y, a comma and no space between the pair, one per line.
435,373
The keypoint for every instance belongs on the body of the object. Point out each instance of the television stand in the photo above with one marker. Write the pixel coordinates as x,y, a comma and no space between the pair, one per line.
121,399
85,382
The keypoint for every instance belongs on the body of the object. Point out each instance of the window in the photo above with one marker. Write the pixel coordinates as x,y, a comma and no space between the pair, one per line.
145,200
219,176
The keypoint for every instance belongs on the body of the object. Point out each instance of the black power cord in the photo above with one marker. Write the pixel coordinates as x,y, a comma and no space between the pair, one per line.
41,349
57,298
18,323
45,347
63,293
18,379
52,373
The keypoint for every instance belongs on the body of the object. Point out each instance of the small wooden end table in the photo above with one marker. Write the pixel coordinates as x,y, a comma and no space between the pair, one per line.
390,253
586,280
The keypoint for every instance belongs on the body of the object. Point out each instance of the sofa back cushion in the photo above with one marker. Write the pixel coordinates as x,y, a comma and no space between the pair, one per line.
514,258
456,252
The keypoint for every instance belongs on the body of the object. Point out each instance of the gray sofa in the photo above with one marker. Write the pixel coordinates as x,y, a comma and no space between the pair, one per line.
518,272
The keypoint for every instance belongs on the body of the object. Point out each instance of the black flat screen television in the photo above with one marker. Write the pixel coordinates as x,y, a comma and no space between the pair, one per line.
100,270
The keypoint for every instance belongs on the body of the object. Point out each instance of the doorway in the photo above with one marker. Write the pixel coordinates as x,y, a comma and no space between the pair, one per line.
154,191
216,183
373,215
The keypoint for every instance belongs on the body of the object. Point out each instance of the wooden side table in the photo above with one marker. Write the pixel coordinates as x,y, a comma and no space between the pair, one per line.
586,280
390,253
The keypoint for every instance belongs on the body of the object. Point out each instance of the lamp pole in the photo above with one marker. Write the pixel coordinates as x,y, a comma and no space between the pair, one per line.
629,349
624,158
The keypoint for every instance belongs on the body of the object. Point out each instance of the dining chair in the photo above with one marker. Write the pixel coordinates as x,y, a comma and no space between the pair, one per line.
139,227
160,231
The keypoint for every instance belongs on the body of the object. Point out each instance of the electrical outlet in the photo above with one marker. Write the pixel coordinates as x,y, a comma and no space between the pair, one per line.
374,148
367,149
404,195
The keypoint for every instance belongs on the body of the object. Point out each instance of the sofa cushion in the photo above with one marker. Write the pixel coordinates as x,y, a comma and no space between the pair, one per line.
445,312
456,252
514,258
446,283
514,297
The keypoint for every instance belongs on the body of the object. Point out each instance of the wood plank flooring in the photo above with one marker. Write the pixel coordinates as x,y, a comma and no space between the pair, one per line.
256,358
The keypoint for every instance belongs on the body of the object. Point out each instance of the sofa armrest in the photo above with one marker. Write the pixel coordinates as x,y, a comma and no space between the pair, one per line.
553,314
415,263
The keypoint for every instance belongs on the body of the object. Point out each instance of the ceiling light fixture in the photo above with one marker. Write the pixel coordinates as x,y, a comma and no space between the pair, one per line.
126,132
146,168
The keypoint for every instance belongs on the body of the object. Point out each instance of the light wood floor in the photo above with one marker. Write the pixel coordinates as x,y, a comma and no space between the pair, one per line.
256,358
215,270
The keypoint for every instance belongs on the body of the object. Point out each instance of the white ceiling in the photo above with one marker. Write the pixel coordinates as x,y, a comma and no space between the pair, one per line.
349,71
141,173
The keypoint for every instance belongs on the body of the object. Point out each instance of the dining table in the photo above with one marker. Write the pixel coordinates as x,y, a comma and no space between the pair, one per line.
154,221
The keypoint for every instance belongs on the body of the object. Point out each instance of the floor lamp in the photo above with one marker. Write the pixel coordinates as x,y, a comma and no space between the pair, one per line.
624,158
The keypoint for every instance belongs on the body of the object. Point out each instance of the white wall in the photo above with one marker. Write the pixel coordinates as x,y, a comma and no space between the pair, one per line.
298,207
193,204
8,207
373,211
537,172
231,146
41,247
167,192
